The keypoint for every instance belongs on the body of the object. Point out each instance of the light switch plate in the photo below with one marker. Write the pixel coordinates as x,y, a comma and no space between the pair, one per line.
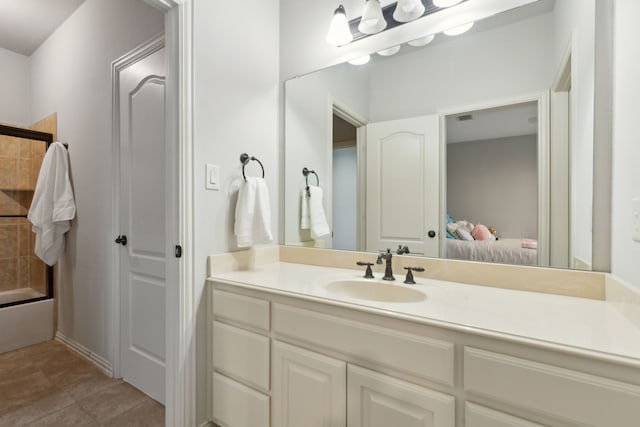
635,219
212,177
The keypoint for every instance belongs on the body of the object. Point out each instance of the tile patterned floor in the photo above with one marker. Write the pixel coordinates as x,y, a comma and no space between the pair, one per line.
49,385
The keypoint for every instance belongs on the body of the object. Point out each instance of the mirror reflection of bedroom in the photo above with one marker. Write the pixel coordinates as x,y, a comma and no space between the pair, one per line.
492,185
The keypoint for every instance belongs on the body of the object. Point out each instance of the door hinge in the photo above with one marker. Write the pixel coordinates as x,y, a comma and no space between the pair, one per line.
178,251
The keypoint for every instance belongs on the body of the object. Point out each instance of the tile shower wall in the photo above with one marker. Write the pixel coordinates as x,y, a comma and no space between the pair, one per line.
20,161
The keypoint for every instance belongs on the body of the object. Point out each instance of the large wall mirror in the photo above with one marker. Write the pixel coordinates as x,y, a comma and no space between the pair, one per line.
477,146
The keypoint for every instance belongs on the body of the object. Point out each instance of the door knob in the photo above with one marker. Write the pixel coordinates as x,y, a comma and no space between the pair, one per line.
431,234
122,240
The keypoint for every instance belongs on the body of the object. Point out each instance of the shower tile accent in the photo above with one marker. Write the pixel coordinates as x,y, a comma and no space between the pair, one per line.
8,273
20,161
19,267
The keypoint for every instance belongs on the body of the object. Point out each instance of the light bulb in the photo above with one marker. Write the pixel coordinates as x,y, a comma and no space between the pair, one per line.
361,60
372,20
422,41
408,10
389,51
456,31
339,33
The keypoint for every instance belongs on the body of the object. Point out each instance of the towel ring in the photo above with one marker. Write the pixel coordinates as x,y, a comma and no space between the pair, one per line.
306,173
244,159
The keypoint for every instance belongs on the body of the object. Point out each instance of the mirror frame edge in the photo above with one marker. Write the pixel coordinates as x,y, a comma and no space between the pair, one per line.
602,138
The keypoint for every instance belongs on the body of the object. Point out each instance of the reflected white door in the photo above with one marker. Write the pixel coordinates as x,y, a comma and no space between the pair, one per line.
142,221
403,185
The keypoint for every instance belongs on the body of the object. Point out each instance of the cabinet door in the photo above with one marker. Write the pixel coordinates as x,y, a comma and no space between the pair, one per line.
309,389
479,416
376,400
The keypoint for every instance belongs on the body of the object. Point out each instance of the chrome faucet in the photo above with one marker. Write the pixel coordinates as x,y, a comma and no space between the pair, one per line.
388,272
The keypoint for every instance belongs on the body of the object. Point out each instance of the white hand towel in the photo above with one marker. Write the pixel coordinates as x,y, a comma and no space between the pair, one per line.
312,212
253,214
53,206
305,221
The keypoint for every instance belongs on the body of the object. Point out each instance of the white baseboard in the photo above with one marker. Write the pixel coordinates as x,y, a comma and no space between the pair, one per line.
100,362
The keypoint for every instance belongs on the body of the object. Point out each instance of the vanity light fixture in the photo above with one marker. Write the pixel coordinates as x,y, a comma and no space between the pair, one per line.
456,31
422,41
372,21
389,51
445,3
360,61
339,33
376,18
408,10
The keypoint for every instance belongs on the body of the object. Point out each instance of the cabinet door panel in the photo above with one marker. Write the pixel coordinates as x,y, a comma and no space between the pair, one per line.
570,395
479,416
309,389
376,400
242,355
236,405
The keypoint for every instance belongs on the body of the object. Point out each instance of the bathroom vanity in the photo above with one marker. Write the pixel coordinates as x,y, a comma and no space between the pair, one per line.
304,345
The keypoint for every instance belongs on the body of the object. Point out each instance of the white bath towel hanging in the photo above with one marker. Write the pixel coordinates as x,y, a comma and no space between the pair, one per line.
253,214
53,206
312,214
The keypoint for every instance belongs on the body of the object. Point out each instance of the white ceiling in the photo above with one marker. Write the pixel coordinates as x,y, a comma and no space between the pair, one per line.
25,24
514,120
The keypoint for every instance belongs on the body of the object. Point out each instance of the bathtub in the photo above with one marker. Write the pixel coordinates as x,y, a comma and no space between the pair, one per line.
25,324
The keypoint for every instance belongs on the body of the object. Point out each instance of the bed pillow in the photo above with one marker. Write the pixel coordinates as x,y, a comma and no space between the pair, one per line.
464,234
454,226
450,219
481,232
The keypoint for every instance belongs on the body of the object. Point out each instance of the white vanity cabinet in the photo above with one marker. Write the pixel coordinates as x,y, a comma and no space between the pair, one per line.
309,389
479,416
313,390
281,361
377,400
240,361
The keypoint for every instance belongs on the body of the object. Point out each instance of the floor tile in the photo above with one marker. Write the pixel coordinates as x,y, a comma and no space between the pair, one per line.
111,401
49,385
149,413
23,390
70,416
37,409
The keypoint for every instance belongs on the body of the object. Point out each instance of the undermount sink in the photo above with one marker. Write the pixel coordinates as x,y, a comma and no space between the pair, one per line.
375,291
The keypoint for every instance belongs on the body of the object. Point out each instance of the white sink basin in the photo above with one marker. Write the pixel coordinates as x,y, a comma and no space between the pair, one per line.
375,291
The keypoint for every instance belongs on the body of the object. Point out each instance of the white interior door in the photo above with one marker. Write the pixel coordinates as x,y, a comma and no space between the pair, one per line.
403,186
142,221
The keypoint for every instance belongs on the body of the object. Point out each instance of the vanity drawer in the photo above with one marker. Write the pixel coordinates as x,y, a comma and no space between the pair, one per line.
408,353
550,390
241,354
479,416
237,405
247,311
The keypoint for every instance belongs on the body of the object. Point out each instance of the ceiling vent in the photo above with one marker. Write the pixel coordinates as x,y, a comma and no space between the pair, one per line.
464,117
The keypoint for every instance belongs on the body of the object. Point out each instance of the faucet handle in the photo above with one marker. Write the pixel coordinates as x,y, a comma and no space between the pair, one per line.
368,274
402,249
409,279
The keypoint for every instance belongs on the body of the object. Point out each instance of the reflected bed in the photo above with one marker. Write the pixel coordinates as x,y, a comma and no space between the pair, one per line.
505,251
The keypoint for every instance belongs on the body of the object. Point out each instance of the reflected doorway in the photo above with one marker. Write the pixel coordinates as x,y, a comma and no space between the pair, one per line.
345,185
493,189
